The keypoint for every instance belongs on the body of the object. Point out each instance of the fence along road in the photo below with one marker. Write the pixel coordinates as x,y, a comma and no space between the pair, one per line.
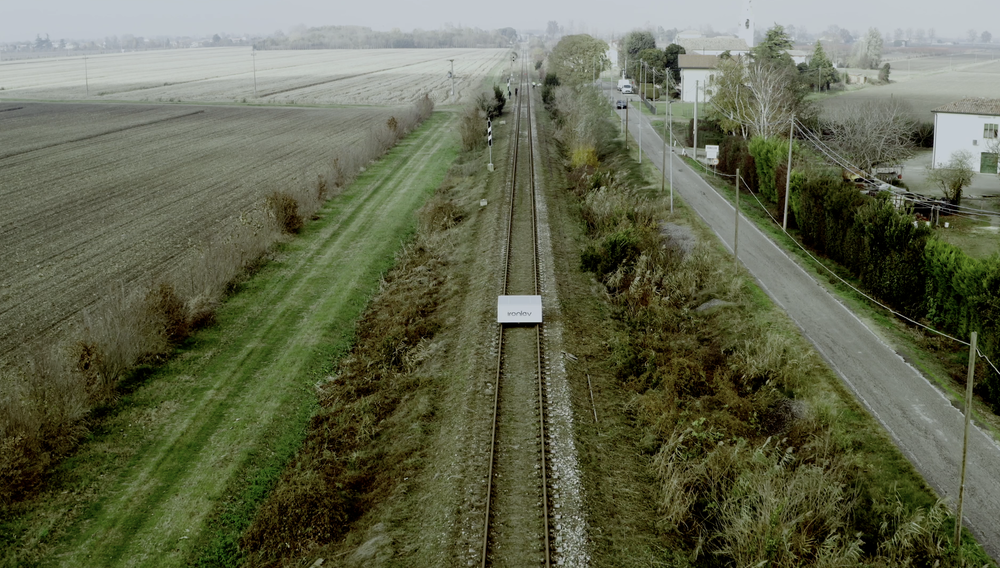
922,422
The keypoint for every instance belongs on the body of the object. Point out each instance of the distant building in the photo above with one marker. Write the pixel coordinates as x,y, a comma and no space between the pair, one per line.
970,124
746,24
696,72
713,45
799,56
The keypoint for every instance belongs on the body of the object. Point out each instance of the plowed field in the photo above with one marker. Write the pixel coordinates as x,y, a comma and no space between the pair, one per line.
95,196
331,76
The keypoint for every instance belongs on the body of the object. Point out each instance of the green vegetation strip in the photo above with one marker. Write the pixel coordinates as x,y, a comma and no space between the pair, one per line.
178,473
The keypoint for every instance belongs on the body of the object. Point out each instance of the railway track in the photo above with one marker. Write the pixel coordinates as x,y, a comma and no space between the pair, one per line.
518,505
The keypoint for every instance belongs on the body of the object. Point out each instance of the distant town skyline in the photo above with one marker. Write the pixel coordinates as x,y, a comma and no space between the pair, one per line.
62,19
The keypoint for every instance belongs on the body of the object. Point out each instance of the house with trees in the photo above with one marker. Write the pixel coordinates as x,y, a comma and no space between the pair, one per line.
969,125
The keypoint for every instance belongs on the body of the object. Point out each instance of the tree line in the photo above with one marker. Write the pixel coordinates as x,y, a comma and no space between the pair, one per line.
358,37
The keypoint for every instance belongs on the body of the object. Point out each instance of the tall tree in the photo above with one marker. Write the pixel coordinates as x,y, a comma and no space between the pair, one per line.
576,57
672,52
552,29
868,51
821,71
634,42
774,49
987,37
758,99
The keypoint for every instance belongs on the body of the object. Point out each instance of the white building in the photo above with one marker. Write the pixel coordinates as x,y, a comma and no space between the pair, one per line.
970,124
746,24
696,72
713,45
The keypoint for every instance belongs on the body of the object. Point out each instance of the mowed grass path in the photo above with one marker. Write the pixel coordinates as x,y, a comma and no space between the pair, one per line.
215,413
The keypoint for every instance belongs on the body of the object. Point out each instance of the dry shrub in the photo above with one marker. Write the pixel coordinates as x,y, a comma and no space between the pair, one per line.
221,263
42,406
441,214
322,188
167,314
584,156
115,337
284,211
472,128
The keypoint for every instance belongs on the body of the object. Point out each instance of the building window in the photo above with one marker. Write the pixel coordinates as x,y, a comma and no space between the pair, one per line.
990,131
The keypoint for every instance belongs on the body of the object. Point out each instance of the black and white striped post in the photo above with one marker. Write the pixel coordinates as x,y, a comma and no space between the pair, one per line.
489,141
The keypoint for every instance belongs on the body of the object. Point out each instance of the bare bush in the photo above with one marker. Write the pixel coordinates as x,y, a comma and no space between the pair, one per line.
472,128
167,314
284,210
875,133
42,404
953,176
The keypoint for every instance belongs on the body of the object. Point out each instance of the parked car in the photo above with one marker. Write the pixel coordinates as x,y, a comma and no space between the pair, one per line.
627,90
621,104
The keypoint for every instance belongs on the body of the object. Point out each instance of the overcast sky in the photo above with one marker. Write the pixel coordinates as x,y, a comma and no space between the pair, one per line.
78,19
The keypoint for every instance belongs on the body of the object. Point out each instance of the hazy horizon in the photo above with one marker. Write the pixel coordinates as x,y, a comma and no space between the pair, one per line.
61,19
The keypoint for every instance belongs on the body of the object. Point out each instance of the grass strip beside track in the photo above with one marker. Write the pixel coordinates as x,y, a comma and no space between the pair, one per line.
178,473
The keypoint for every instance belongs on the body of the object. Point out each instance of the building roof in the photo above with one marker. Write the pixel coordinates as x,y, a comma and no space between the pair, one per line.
721,43
972,105
697,61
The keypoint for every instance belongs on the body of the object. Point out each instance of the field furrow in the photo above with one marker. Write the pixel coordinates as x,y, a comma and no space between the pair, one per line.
319,77
92,213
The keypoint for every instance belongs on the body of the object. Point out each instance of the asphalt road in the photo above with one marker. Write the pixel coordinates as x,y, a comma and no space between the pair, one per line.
922,422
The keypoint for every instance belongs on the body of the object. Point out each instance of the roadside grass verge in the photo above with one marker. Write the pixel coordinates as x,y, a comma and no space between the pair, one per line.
753,450
173,473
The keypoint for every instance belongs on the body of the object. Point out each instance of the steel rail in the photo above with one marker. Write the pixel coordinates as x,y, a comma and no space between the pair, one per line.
523,102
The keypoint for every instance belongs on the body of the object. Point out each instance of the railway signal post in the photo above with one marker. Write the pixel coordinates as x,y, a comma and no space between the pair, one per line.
489,142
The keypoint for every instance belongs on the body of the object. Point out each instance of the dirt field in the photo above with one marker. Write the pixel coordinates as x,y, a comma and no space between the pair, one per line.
314,77
95,196
929,82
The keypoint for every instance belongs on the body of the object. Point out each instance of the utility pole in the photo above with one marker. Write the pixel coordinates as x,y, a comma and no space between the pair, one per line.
86,75
253,57
788,173
663,160
626,125
642,66
695,132
736,230
670,121
965,441
452,75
